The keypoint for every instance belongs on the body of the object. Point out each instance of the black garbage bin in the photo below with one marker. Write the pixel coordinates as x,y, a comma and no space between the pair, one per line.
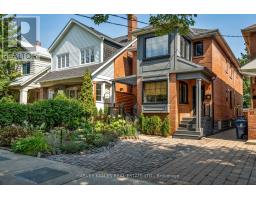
241,128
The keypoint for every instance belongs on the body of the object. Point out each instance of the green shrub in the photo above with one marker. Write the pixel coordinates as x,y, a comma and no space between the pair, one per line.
165,127
10,134
60,95
151,125
31,145
73,147
13,113
57,112
7,99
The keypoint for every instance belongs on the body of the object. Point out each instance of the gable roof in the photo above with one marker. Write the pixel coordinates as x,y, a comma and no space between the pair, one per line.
77,72
86,28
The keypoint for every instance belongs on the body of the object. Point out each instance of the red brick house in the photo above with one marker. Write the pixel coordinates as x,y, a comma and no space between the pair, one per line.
195,80
249,70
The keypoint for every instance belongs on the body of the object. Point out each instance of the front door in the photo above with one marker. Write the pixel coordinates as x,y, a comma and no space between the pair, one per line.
194,99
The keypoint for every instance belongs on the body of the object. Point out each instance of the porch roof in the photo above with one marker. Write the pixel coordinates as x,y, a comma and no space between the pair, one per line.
129,80
188,70
249,69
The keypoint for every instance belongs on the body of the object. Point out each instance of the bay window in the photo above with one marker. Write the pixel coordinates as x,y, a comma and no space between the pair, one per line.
156,46
98,92
155,92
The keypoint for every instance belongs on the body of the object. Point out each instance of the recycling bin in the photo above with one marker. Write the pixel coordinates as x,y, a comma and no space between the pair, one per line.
241,128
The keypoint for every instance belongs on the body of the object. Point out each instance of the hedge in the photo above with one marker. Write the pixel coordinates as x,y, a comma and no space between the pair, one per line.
51,113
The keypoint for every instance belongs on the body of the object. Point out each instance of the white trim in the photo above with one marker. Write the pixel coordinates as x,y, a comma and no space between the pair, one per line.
102,50
67,28
113,57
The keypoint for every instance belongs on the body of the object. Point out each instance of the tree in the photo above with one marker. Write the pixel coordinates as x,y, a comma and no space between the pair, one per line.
246,81
162,23
8,63
86,97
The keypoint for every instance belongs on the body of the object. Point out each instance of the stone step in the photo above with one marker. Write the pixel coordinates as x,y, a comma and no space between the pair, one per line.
187,125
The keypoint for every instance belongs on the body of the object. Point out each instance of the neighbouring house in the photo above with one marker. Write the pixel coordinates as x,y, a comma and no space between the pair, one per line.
195,80
79,48
38,62
249,71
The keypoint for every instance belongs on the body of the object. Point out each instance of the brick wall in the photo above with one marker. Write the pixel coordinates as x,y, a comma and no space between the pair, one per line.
125,99
217,60
252,125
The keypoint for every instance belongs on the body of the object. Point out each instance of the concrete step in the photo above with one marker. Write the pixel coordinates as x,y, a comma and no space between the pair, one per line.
186,136
187,125
186,129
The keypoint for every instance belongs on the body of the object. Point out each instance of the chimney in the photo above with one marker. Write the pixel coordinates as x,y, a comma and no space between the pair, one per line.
38,43
132,25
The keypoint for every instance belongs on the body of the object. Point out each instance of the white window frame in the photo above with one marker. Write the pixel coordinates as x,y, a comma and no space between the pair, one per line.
90,50
101,92
66,60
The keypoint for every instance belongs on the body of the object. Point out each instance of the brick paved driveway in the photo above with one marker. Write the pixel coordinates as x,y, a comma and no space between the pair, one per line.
219,159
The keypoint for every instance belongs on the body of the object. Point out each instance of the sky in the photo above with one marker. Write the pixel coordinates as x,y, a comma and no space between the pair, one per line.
51,26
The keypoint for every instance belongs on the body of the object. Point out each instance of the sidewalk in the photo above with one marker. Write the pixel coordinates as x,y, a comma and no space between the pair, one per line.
18,169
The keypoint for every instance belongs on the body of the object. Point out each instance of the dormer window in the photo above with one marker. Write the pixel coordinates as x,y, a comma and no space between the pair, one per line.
26,68
87,55
156,46
63,60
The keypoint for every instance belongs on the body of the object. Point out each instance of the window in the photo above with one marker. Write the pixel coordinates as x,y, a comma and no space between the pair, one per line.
183,93
26,68
72,92
155,92
156,46
185,48
63,60
198,49
98,92
227,66
87,55
230,99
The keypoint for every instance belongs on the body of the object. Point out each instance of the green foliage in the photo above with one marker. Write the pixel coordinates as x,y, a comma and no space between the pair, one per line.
61,95
8,63
53,113
166,23
10,134
86,97
13,113
163,23
7,99
165,127
32,145
244,59
56,112
154,125
73,147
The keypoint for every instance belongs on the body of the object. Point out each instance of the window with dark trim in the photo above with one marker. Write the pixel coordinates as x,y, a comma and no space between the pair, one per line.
98,92
155,92
198,48
185,48
183,93
26,68
156,46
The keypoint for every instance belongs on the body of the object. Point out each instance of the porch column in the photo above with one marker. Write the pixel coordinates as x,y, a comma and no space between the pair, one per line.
113,93
198,104
24,96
